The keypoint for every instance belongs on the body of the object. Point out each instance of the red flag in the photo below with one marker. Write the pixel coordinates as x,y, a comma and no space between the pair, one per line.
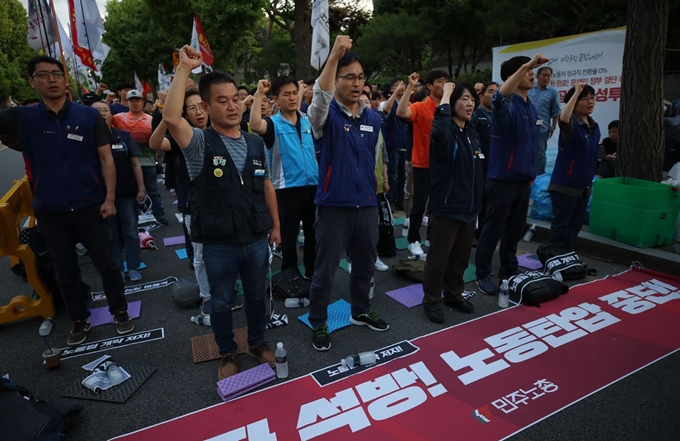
147,88
203,43
83,52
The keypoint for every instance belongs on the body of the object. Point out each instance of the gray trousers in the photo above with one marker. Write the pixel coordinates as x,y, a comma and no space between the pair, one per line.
338,228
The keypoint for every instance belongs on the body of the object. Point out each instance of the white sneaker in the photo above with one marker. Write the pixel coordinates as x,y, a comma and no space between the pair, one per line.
380,265
415,249
425,221
427,243
406,222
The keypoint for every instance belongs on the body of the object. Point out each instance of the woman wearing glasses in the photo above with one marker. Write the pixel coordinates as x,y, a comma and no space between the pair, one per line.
575,166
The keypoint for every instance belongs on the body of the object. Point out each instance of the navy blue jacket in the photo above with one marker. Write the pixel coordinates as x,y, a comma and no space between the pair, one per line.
577,152
395,131
63,157
455,168
514,139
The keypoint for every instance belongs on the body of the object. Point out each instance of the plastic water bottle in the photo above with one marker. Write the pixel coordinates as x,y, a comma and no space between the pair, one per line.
530,233
360,359
296,302
504,295
558,276
201,320
45,327
372,288
281,361
115,374
301,240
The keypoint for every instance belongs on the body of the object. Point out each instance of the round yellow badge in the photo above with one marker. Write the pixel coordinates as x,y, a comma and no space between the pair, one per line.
218,172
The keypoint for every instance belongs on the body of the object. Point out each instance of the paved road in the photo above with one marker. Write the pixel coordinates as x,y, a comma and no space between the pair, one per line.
640,407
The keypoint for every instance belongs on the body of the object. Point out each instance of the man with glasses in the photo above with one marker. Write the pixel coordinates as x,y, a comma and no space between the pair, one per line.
67,146
348,140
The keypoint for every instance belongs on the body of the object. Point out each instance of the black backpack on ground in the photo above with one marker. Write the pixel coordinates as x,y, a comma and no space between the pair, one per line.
533,288
570,266
290,284
387,247
26,418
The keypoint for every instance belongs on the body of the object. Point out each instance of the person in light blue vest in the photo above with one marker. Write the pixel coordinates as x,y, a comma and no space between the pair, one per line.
295,172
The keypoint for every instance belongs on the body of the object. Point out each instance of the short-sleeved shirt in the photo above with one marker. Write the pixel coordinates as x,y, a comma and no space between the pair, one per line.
140,130
194,153
547,102
422,116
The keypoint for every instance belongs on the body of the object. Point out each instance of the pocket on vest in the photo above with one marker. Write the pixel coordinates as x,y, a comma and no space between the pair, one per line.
217,222
263,222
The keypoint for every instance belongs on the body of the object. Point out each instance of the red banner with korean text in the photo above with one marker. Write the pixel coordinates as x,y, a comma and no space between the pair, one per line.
484,379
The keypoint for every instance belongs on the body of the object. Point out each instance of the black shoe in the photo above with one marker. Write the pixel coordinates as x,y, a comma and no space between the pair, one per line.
460,304
371,320
507,273
434,314
78,333
486,286
320,341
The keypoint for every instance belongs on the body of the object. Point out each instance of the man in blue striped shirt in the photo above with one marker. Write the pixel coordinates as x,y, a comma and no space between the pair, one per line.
547,102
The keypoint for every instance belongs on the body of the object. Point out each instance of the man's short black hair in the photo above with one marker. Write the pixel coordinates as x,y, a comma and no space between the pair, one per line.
30,101
375,96
486,86
347,59
123,85
215,77
42,59
613,125
587,90
394,81
541,69
310,82
242,88
281,81
509,67
148,102
436,74
420,95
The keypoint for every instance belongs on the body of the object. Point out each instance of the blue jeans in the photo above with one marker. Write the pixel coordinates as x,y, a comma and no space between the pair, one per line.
149,173
223,263
125,221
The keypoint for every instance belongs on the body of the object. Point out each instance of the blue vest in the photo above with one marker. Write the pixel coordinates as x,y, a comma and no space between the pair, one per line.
63,157
514,142
577,155
292,159
347,153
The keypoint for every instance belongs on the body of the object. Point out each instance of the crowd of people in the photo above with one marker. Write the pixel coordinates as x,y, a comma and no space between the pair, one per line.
252,168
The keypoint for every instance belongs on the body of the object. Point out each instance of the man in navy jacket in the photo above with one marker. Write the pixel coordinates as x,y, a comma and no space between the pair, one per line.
68,149
512,159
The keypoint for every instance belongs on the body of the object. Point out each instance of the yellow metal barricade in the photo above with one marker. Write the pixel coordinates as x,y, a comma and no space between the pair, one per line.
15,206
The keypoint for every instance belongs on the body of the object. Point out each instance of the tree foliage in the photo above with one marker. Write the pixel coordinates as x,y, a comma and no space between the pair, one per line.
14,52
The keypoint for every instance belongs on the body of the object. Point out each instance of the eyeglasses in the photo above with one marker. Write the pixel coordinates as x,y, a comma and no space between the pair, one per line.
194,108
353,78
590,98
43,74
103,110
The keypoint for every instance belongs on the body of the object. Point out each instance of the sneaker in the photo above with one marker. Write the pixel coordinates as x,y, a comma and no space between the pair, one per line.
435,314
238,305
228,366
407,222
135,276
206,306
123,323
80,249
426,220
263,353
163,221
380,266
461,304
78,333
415,249
427,242
486,286
320,341
371,320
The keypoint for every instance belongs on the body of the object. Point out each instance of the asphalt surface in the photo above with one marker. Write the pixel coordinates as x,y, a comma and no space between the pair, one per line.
641,406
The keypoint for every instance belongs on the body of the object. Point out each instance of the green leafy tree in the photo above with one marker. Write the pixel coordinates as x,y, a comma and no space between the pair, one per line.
14,52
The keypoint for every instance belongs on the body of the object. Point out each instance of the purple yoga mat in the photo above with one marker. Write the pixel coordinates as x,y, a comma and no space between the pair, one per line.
175,240
102,316
529,261
245,381
174,202
408,296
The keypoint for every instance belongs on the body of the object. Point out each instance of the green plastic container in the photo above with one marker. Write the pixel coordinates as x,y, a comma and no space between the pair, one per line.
634,211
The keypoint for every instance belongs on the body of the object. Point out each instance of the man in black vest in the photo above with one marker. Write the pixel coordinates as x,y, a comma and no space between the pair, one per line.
233,205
